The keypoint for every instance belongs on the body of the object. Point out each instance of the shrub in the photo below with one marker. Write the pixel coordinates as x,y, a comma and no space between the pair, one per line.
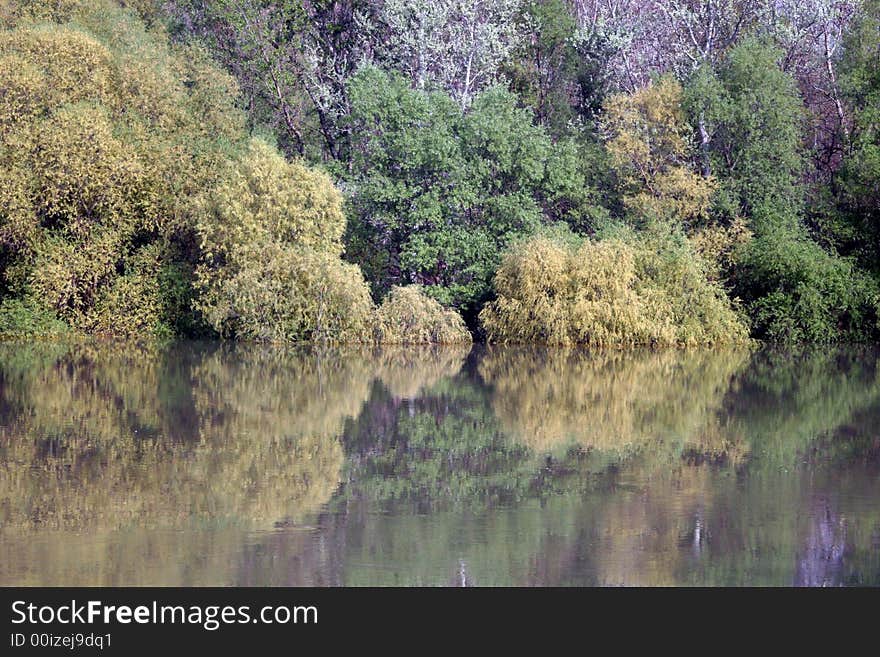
25,318
645,290
719,246
408,316
265,198
284,293
271,239
795,291
106,133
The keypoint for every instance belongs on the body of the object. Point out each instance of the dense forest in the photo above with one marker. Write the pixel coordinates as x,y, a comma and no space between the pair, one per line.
599,172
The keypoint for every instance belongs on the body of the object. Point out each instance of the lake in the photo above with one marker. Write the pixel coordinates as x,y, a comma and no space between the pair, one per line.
216,464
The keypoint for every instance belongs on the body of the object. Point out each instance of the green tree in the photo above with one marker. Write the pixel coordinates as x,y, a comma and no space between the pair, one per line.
860,170
793,289
436,194
754,118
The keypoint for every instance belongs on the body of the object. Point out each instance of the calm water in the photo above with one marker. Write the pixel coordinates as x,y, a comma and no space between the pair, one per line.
206,464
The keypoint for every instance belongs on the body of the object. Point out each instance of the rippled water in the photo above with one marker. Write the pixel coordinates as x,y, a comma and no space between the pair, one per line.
209,464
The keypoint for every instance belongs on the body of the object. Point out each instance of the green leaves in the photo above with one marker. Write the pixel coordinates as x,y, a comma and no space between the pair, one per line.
438,193
752,116
796,292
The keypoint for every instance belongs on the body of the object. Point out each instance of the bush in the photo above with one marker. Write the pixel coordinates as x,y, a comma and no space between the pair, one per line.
271,240
719,246
408,316
620,291
284,293
265,198
106,133
797,292
25,318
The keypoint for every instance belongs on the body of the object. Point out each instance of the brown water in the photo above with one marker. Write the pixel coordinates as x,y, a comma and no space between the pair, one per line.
207,464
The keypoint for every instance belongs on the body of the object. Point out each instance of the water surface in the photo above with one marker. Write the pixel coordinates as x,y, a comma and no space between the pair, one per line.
213,464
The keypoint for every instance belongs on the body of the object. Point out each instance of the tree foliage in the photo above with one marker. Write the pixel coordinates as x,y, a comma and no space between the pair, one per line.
436,194
735,141
271,243
106,133
753,119
796,292
612,292
649,144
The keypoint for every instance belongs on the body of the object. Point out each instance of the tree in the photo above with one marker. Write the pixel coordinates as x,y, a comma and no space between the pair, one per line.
454,45
792,288
557,70
292,60
753,118
860,171
436,193
649,142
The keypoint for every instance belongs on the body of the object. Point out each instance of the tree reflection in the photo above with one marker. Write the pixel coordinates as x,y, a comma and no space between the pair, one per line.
238,464
612,401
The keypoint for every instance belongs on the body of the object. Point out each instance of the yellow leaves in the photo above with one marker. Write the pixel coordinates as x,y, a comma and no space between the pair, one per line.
549,293
609,293
22,84
73,65
647,127
613,401
131,305
649,143
266,198
409,316
52,10
276,292
677,194
718,245
67,275
271,237
85,177
18,223
107,135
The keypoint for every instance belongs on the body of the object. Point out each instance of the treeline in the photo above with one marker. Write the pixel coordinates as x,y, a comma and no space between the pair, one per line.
555,171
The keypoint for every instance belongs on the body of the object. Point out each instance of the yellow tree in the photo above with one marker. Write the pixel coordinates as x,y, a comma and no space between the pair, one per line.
650,142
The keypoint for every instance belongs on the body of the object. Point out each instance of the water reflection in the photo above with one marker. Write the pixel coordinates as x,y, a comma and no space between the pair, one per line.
611,401
219,464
